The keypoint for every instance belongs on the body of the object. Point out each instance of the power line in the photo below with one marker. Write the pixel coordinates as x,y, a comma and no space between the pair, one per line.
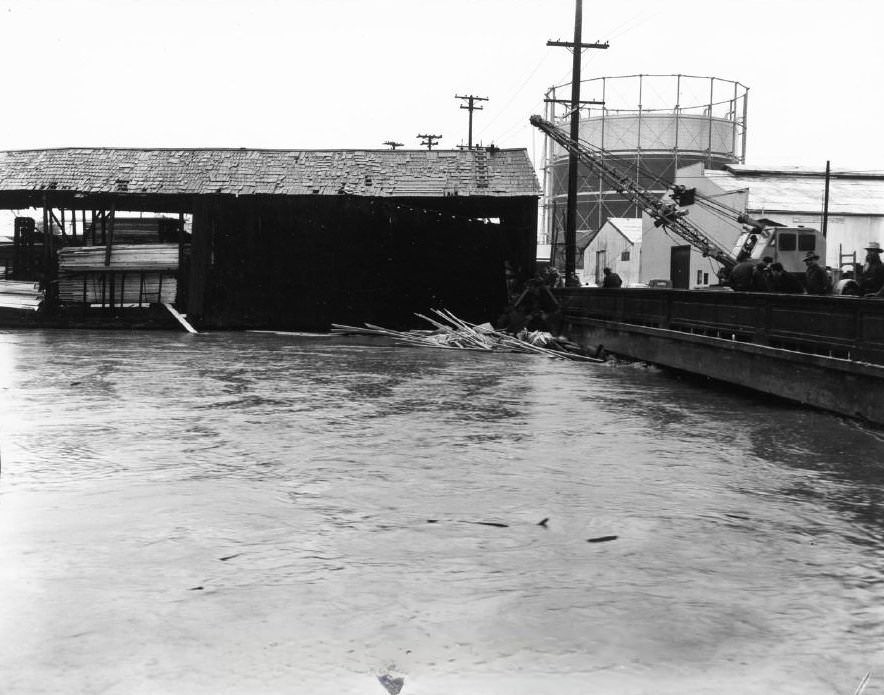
518,91
393,144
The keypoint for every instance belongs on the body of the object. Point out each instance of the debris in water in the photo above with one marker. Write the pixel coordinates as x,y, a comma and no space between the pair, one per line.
453,333
488,523
229,557
601,539
543,521
195,588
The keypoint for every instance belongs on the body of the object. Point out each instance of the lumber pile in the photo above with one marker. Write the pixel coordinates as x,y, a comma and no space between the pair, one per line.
123,257
139,274
20,295
452,333
118,288
138,230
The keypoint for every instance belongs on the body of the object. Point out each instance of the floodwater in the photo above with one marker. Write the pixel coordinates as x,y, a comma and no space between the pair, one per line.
256,513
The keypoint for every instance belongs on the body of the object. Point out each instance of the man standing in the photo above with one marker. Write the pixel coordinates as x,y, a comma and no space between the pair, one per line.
611,278
816,281
871,279
761,275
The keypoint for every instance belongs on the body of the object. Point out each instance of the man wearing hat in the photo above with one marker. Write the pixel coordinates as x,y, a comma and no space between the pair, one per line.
816,281
871,278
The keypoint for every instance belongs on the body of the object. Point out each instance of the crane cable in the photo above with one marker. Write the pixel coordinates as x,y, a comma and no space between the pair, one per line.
665,214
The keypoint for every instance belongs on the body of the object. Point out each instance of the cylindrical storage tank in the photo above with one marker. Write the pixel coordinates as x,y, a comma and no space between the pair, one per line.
649,126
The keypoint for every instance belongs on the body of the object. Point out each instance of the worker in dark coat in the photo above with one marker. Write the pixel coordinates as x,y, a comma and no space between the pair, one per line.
871,279
783,282
816,280
740,277
761,275
611,279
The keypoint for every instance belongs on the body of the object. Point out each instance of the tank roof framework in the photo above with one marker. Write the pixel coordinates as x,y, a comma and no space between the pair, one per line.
651,124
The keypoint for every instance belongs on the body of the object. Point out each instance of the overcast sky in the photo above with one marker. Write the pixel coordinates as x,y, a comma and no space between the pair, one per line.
354,73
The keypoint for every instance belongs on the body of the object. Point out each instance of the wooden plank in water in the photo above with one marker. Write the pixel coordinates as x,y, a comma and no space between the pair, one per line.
180,318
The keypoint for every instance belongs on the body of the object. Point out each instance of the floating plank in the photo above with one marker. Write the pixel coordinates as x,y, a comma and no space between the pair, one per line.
181,319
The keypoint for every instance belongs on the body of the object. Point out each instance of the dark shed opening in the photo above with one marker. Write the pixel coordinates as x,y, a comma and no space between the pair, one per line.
299,239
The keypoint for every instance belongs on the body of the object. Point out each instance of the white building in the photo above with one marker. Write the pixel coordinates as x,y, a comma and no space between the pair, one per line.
792,196
616,246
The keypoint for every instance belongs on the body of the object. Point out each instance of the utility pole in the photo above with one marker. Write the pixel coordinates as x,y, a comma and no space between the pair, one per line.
471,106
392,144
429,140
571,221
826,203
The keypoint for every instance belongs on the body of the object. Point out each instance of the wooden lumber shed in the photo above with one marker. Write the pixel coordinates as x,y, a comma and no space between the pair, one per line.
298,239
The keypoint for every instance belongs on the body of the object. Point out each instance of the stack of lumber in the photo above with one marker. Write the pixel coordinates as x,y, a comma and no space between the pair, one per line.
453,333
123,257
137,230
137,274
118,288
20,295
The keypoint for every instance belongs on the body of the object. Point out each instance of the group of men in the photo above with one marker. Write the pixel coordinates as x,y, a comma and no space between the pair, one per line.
768,276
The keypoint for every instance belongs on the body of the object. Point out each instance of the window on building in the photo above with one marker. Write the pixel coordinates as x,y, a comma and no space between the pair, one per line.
806,242
786,242
625,255
705,278
699,277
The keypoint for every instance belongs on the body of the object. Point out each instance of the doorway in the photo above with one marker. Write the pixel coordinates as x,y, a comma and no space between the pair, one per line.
680,267
599,267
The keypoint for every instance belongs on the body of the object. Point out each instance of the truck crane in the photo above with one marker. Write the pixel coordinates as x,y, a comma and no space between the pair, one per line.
786,245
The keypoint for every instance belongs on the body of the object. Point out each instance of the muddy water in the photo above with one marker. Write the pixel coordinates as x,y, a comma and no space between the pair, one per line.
252,513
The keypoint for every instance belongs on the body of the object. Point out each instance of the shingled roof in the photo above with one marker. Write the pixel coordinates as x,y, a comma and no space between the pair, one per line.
377,173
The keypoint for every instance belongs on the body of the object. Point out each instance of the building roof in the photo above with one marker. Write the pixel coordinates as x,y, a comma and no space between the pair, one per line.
630,227
374,173
797,189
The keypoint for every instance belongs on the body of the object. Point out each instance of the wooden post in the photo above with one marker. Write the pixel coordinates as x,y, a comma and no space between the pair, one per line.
109,237
200,252
47,241
179,275
107,253
826,204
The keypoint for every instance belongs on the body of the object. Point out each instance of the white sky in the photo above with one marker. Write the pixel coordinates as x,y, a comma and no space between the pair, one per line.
354,73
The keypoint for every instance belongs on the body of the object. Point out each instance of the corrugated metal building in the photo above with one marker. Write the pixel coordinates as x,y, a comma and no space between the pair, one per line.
792,196
302,238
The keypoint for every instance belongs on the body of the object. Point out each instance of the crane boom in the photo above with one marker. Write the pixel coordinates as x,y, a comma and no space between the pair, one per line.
666,215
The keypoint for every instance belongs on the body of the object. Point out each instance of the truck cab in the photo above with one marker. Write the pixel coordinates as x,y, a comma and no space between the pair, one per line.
786,245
